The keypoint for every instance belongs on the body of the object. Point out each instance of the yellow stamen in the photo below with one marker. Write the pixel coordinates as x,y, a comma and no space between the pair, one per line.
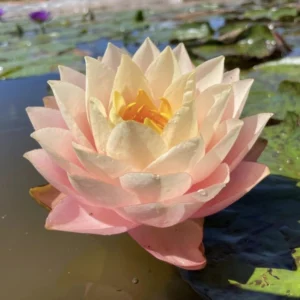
165,108
141,110
152,125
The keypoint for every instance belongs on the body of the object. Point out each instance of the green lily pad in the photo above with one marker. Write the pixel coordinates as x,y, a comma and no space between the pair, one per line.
271,91
253,247
192,31
282,154
275,14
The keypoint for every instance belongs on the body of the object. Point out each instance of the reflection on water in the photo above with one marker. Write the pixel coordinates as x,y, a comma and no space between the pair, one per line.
42,265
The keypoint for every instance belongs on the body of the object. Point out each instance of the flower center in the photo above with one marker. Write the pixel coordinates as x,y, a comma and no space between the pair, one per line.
143,110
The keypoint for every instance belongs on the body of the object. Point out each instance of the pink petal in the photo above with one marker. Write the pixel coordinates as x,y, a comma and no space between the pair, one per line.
145,55
42,117
71,102
250,132
237,99
72,76
231,76
57,143
69,215
151,188
176,210
50,102
256,150
183,59
49,170
224,139
180,245
246,176
101,194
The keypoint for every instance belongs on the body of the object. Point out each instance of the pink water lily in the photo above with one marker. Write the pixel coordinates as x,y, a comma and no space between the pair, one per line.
149,145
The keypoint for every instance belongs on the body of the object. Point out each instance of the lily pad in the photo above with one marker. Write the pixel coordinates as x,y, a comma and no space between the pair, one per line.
271,91
282,154
274,14
253,247
192,31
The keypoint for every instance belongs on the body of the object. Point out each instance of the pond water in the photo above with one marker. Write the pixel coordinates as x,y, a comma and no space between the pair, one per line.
40,264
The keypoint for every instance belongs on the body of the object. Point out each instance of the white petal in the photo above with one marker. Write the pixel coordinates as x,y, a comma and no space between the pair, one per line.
144,56
182,126
100,193
237,99
183,59
169,213
135,144
180,158
71,102
208,98
99,124
100,164
69,75
112,56
175,92
129,80
154,188
231,76
210,73
99,80
229,131
214,115
162,72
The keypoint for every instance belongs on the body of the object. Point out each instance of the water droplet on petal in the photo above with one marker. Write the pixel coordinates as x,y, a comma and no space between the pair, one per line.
203,192
155,176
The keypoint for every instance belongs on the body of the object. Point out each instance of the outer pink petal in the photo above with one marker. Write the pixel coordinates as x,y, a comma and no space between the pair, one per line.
49,170
69,215
50,102
72,76
256,150
246,176
250,132
71,101
58,144
180,245
42,117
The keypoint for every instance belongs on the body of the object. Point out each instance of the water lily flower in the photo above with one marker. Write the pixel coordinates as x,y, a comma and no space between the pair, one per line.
2,12
149,145
40,16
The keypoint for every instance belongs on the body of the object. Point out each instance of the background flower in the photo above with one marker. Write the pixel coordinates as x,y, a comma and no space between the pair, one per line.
149,145
40,16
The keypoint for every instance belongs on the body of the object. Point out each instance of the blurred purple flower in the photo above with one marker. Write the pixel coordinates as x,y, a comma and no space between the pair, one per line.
2,12
40,16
